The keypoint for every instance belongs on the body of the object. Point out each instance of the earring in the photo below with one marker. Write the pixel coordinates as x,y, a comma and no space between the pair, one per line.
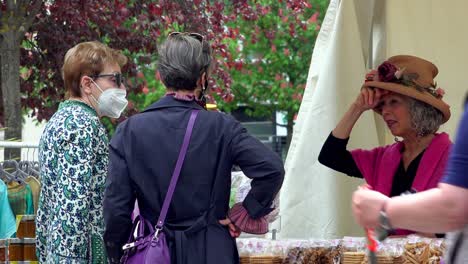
421,134
202,95
201,100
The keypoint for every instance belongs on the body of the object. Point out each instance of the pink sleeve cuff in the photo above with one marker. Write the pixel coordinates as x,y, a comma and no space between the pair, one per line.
240,217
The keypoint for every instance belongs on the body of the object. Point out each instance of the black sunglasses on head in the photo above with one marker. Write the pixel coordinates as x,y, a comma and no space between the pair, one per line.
191,34
119,79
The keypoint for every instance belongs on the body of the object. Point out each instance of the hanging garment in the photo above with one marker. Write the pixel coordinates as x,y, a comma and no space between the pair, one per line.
35,186
7,219
20,198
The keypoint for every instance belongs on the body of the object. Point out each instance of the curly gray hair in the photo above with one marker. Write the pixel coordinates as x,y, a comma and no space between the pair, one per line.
425,119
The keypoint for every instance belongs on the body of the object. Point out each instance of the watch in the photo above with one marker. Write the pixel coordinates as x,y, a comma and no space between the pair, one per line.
384,222
385,228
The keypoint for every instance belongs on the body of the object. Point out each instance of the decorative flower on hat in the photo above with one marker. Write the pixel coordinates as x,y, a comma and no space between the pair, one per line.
437,92
388,72
399,73
440,92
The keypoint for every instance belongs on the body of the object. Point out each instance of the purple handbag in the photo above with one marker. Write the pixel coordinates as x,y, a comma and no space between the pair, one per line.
153,248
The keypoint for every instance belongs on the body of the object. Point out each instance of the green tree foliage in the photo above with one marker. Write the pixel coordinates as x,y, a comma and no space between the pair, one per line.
264,56
273,55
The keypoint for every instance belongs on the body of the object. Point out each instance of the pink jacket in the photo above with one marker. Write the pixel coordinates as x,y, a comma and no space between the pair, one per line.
379,165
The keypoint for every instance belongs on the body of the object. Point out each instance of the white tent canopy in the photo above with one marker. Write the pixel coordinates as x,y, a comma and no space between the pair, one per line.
355,36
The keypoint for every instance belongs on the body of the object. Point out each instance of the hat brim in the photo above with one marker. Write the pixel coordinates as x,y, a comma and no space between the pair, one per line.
413,93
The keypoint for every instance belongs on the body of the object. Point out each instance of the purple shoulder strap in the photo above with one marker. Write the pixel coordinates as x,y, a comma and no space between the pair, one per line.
178,167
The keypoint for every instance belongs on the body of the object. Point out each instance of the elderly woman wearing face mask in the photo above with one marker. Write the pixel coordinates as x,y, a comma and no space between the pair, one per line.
403,91
73,157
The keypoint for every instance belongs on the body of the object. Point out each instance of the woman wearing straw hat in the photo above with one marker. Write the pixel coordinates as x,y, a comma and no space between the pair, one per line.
403,91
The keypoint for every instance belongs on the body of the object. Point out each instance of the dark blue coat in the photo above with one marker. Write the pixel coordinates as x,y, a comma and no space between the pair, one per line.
143,153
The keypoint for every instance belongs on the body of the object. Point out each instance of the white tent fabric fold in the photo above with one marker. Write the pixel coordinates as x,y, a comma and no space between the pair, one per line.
312,195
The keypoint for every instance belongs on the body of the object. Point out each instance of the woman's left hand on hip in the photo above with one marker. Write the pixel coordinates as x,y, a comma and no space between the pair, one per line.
233,229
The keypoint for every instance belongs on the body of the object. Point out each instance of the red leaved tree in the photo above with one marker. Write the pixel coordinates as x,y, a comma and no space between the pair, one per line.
50,28
133,26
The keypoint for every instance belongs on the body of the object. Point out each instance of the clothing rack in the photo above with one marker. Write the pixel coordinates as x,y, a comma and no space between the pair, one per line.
26,164
13,144
29,150
22,185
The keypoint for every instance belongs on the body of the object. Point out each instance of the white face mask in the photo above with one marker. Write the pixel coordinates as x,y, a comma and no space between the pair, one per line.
111,102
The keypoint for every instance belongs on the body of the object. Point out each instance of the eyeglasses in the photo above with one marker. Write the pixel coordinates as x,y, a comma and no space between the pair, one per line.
191,34
119,79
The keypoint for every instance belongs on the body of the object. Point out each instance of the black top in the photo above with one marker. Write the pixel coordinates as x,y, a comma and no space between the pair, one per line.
335,156
142,157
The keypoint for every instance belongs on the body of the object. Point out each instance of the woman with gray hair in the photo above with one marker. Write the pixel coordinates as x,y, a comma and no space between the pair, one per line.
403,91
200,227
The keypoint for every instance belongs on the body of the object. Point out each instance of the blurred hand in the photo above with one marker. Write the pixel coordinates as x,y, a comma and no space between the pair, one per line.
369,98
366,206
233,229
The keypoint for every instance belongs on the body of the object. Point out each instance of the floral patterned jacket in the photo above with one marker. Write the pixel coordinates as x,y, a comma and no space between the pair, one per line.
73,156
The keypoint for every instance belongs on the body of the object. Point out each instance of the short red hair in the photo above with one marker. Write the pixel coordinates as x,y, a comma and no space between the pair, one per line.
87,58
